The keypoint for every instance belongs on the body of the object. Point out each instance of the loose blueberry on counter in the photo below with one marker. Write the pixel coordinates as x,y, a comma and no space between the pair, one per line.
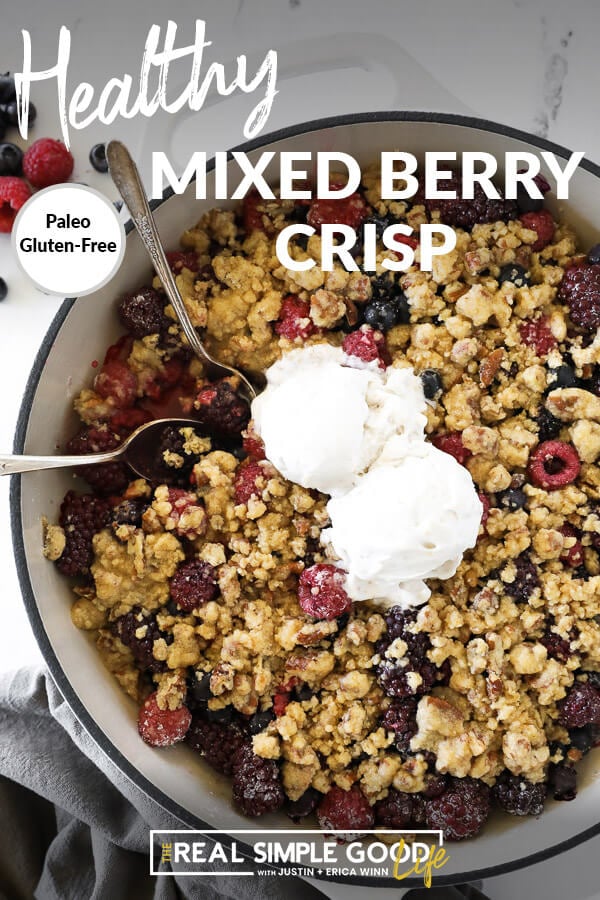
385,314
260,720
432,384
10,113
98,158
3,289
11,159
593,256
512,499
562,377
514,273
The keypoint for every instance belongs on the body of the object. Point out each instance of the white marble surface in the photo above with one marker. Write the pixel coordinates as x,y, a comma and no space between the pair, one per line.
527,63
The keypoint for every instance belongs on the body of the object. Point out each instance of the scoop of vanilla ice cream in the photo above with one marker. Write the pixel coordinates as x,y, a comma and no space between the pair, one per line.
405,520
324,420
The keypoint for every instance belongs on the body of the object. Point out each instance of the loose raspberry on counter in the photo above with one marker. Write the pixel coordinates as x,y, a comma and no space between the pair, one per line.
220,407
81,516
572,555
518,796
461,811
142,312
452,443
116,381
47,162
367,344
537,334
294,319
216,742
14,193
553,465
250,481
395,810
543,224
257,785
162,727
194,584
580,290
321,592
581,706
352,211
345,811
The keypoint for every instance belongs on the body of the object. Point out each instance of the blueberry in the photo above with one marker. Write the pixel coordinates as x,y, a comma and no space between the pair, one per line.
342,621
380,223
3,289
563,377
512,499
432,383
548,425
303,692
2,128
200,687
98,158
563,781
11,116
223,715
384,314
593,256
525,202
11,159
582,738
260,720
7,88
130,512
301,240
514,273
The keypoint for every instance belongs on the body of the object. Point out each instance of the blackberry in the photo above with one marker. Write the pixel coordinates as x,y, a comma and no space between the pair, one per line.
593,256
583,739
513,498
384,314
303,692
304,805
461,811
256,783
81,516
194,584
557,647
562,781
215,742
432,384
98,158
142,312
105,478
580,290
394,677
395,810
221,408
401,718
466,213
549,426
518,796
171,441
526,579
563,377
11,159
525,202
380,223
435,786
514,273
223,716
260,720
125,628
130,512
581,706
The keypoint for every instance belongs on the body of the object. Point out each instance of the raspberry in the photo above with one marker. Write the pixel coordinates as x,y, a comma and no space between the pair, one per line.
393,675
294,320
194,584
142,312
162,727
125,628
580,290
179,260
221,408
124,421
167,377
461,811
557,647
106,478
47,162
526,579
216,742
485,502
81,516
367,344
395,810
452,443
250,481
345,811
537,334
572,555
518,796
280,702
352,211
256,783
13,195
543,224
252,216
321,592
253,445
188,515
401,718
467,213
562,780
581,706
553,464
116,381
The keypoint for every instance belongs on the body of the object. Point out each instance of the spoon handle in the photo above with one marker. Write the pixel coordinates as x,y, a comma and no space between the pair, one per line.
11,465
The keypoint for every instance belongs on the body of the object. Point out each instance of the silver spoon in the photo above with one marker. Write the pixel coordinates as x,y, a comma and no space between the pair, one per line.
127,180
138,451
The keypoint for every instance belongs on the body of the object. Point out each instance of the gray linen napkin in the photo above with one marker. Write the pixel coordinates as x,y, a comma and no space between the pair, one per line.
73,827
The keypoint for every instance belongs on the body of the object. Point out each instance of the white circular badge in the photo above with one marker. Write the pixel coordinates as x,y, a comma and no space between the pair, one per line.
69,240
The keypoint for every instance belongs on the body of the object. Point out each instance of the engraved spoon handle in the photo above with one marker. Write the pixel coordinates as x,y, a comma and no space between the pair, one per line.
11,465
